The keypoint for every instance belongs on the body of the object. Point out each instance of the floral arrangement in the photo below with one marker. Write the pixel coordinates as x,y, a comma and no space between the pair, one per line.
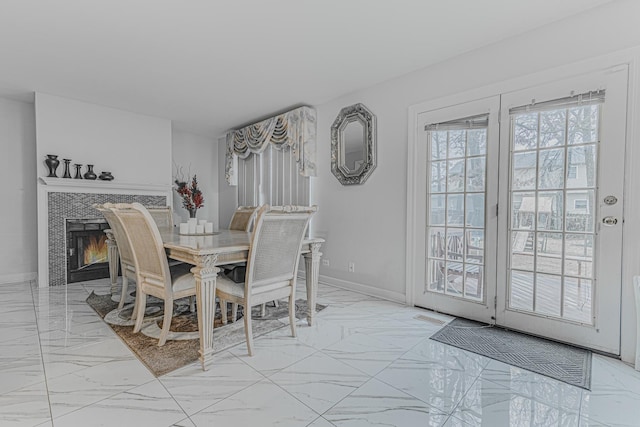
192,198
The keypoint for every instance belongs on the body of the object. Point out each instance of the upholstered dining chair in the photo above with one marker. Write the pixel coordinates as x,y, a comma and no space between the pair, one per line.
162,215
272,263
242,220
153,275
127,266
243,217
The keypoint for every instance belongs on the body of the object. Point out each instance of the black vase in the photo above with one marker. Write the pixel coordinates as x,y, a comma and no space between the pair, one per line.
90,174
67,172
78,171
106,176
52,163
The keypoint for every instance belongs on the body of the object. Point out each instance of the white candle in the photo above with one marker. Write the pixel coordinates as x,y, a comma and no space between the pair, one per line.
192,228
208,227
184,228
193,221
200,229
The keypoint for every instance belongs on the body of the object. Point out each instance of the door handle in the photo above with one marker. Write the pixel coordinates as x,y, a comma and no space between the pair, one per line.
609,220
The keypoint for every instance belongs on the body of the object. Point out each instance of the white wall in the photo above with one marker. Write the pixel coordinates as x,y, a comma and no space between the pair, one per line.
196,155
18,235
227,195
366,224
135,148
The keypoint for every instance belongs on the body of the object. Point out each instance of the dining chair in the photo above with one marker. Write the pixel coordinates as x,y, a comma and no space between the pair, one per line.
272,263
242,220
153,275
127,266
162,215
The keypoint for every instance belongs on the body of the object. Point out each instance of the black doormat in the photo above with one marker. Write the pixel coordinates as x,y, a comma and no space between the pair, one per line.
562,362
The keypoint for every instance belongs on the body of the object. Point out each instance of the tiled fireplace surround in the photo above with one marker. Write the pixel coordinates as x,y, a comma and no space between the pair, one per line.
77,205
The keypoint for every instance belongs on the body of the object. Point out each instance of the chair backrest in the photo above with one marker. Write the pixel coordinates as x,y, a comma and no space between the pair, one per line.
275,244
144,238
162,215
124,248
242,218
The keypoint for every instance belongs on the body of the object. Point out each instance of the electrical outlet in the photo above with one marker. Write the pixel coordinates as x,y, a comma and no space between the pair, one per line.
352,267
325,262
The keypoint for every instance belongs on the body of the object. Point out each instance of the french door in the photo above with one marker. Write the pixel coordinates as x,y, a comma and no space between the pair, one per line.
523,209
459,149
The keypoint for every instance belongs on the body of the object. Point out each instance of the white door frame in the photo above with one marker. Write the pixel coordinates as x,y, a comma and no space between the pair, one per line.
604,335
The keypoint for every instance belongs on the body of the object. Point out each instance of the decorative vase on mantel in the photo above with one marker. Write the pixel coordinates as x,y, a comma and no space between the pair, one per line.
192,212
67,172
90,174
78,171
52,163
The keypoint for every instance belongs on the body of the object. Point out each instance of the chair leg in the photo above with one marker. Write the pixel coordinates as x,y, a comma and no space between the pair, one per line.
292,315
248,333
263,310
123,295
275,303
192,303
223,311
234,312
141,302
166,322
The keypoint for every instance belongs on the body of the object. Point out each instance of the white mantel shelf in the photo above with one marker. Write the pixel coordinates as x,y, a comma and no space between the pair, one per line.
71,184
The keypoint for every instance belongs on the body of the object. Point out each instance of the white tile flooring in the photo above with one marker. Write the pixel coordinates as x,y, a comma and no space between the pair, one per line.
367,362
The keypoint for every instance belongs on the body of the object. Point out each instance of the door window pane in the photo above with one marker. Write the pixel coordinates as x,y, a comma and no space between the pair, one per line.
552,221
456,212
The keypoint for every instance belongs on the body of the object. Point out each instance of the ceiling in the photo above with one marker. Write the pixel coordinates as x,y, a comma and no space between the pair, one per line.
212,65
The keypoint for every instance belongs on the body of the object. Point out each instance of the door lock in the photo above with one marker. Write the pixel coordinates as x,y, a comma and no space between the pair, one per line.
610,200
609,220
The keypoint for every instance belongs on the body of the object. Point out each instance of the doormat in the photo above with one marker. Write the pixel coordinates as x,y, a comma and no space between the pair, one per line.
178,353
562,362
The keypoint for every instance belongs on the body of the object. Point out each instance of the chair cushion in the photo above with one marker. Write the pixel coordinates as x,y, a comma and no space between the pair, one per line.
237,289
181,277
230,287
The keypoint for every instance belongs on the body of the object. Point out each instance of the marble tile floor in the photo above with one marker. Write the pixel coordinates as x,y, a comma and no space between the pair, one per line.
366,362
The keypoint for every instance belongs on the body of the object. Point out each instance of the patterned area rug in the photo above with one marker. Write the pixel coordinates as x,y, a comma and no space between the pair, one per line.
562,362
184,350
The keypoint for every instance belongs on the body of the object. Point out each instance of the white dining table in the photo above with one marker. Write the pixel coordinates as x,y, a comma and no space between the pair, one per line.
206,253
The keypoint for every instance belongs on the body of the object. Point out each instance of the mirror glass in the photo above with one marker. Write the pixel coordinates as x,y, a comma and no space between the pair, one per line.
353,137
353,145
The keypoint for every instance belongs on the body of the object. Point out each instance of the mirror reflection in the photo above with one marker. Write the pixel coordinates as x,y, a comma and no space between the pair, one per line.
353,137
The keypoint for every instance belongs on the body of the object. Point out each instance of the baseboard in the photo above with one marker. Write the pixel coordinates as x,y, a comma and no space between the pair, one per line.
17,278
364,289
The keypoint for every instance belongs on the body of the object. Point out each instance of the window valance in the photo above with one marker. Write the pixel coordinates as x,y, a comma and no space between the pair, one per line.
295,130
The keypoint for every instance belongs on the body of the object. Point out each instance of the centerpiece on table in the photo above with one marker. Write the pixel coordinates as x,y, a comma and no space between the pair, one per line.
192,198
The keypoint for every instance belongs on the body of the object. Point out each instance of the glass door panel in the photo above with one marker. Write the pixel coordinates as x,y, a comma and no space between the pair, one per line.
560,250
553,151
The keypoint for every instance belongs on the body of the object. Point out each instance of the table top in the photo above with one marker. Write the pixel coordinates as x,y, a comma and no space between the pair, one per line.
222,241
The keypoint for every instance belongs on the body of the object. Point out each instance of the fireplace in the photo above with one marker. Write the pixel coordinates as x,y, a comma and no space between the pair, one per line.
87,255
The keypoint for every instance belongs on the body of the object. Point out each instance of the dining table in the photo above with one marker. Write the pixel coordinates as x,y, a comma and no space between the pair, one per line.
207,252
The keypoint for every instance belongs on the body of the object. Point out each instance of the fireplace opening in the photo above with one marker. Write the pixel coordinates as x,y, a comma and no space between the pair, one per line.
87,251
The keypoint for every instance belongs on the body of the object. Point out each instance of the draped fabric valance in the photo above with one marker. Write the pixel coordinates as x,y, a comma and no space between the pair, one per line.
295,129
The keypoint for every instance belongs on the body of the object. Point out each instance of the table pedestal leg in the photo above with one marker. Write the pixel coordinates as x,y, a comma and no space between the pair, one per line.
114,260
312,270
205,274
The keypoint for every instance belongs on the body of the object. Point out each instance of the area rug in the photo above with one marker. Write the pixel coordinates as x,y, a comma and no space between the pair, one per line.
177,353
562,362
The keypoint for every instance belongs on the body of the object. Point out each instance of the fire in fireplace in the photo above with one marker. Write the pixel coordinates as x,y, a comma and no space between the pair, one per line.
87,254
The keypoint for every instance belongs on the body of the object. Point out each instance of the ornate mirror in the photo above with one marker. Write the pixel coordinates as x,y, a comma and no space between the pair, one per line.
353,145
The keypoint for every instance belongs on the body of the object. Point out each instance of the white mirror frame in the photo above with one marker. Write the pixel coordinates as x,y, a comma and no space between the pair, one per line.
353,113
